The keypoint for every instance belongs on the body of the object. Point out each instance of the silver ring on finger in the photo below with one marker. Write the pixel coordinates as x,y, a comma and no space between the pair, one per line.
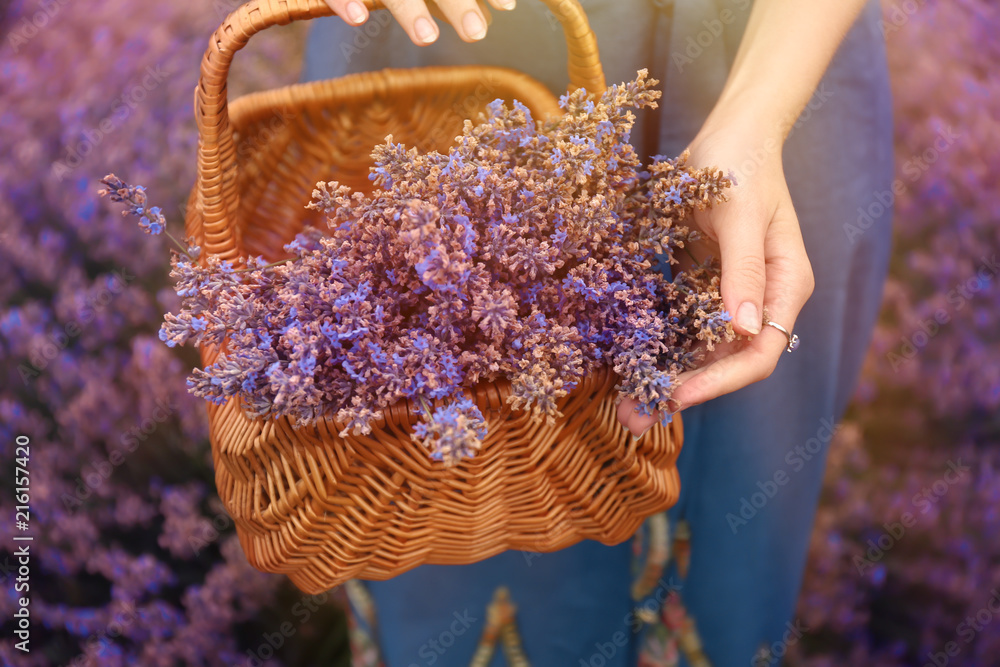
793,339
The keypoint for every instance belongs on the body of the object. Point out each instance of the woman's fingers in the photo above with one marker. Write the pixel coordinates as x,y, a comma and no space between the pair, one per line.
415,19
751,364
637,424
412,16
741,253
789,283
470,18
352,11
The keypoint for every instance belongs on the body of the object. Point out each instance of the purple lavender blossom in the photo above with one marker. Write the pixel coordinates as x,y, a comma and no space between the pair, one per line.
465,267
452,432
151,219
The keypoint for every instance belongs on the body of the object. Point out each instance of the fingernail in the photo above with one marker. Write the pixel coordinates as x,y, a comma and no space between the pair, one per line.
748,317
356,12
473,25
425,29
508,4
637,438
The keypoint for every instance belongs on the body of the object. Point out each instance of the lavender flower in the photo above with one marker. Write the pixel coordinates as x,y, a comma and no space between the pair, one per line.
524,252
151,219
452,432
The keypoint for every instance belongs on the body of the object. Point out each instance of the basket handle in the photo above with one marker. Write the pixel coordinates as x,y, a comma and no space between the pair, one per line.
217,194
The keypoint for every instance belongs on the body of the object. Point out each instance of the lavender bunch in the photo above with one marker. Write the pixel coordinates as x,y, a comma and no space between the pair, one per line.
523,253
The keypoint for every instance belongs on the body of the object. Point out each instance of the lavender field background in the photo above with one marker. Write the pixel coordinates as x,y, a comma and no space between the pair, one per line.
135,561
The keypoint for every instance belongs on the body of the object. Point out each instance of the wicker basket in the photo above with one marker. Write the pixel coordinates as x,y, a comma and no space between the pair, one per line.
323,509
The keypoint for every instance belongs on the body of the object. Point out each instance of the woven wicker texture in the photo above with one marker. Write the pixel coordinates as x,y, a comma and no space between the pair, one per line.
323,509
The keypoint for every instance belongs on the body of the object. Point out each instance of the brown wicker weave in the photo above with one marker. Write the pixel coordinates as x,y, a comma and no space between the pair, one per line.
323,509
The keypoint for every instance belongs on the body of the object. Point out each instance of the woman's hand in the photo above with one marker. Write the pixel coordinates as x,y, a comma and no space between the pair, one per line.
764,264
469,17
785,49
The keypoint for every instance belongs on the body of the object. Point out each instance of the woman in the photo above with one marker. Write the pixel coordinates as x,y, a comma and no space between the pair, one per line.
744,90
